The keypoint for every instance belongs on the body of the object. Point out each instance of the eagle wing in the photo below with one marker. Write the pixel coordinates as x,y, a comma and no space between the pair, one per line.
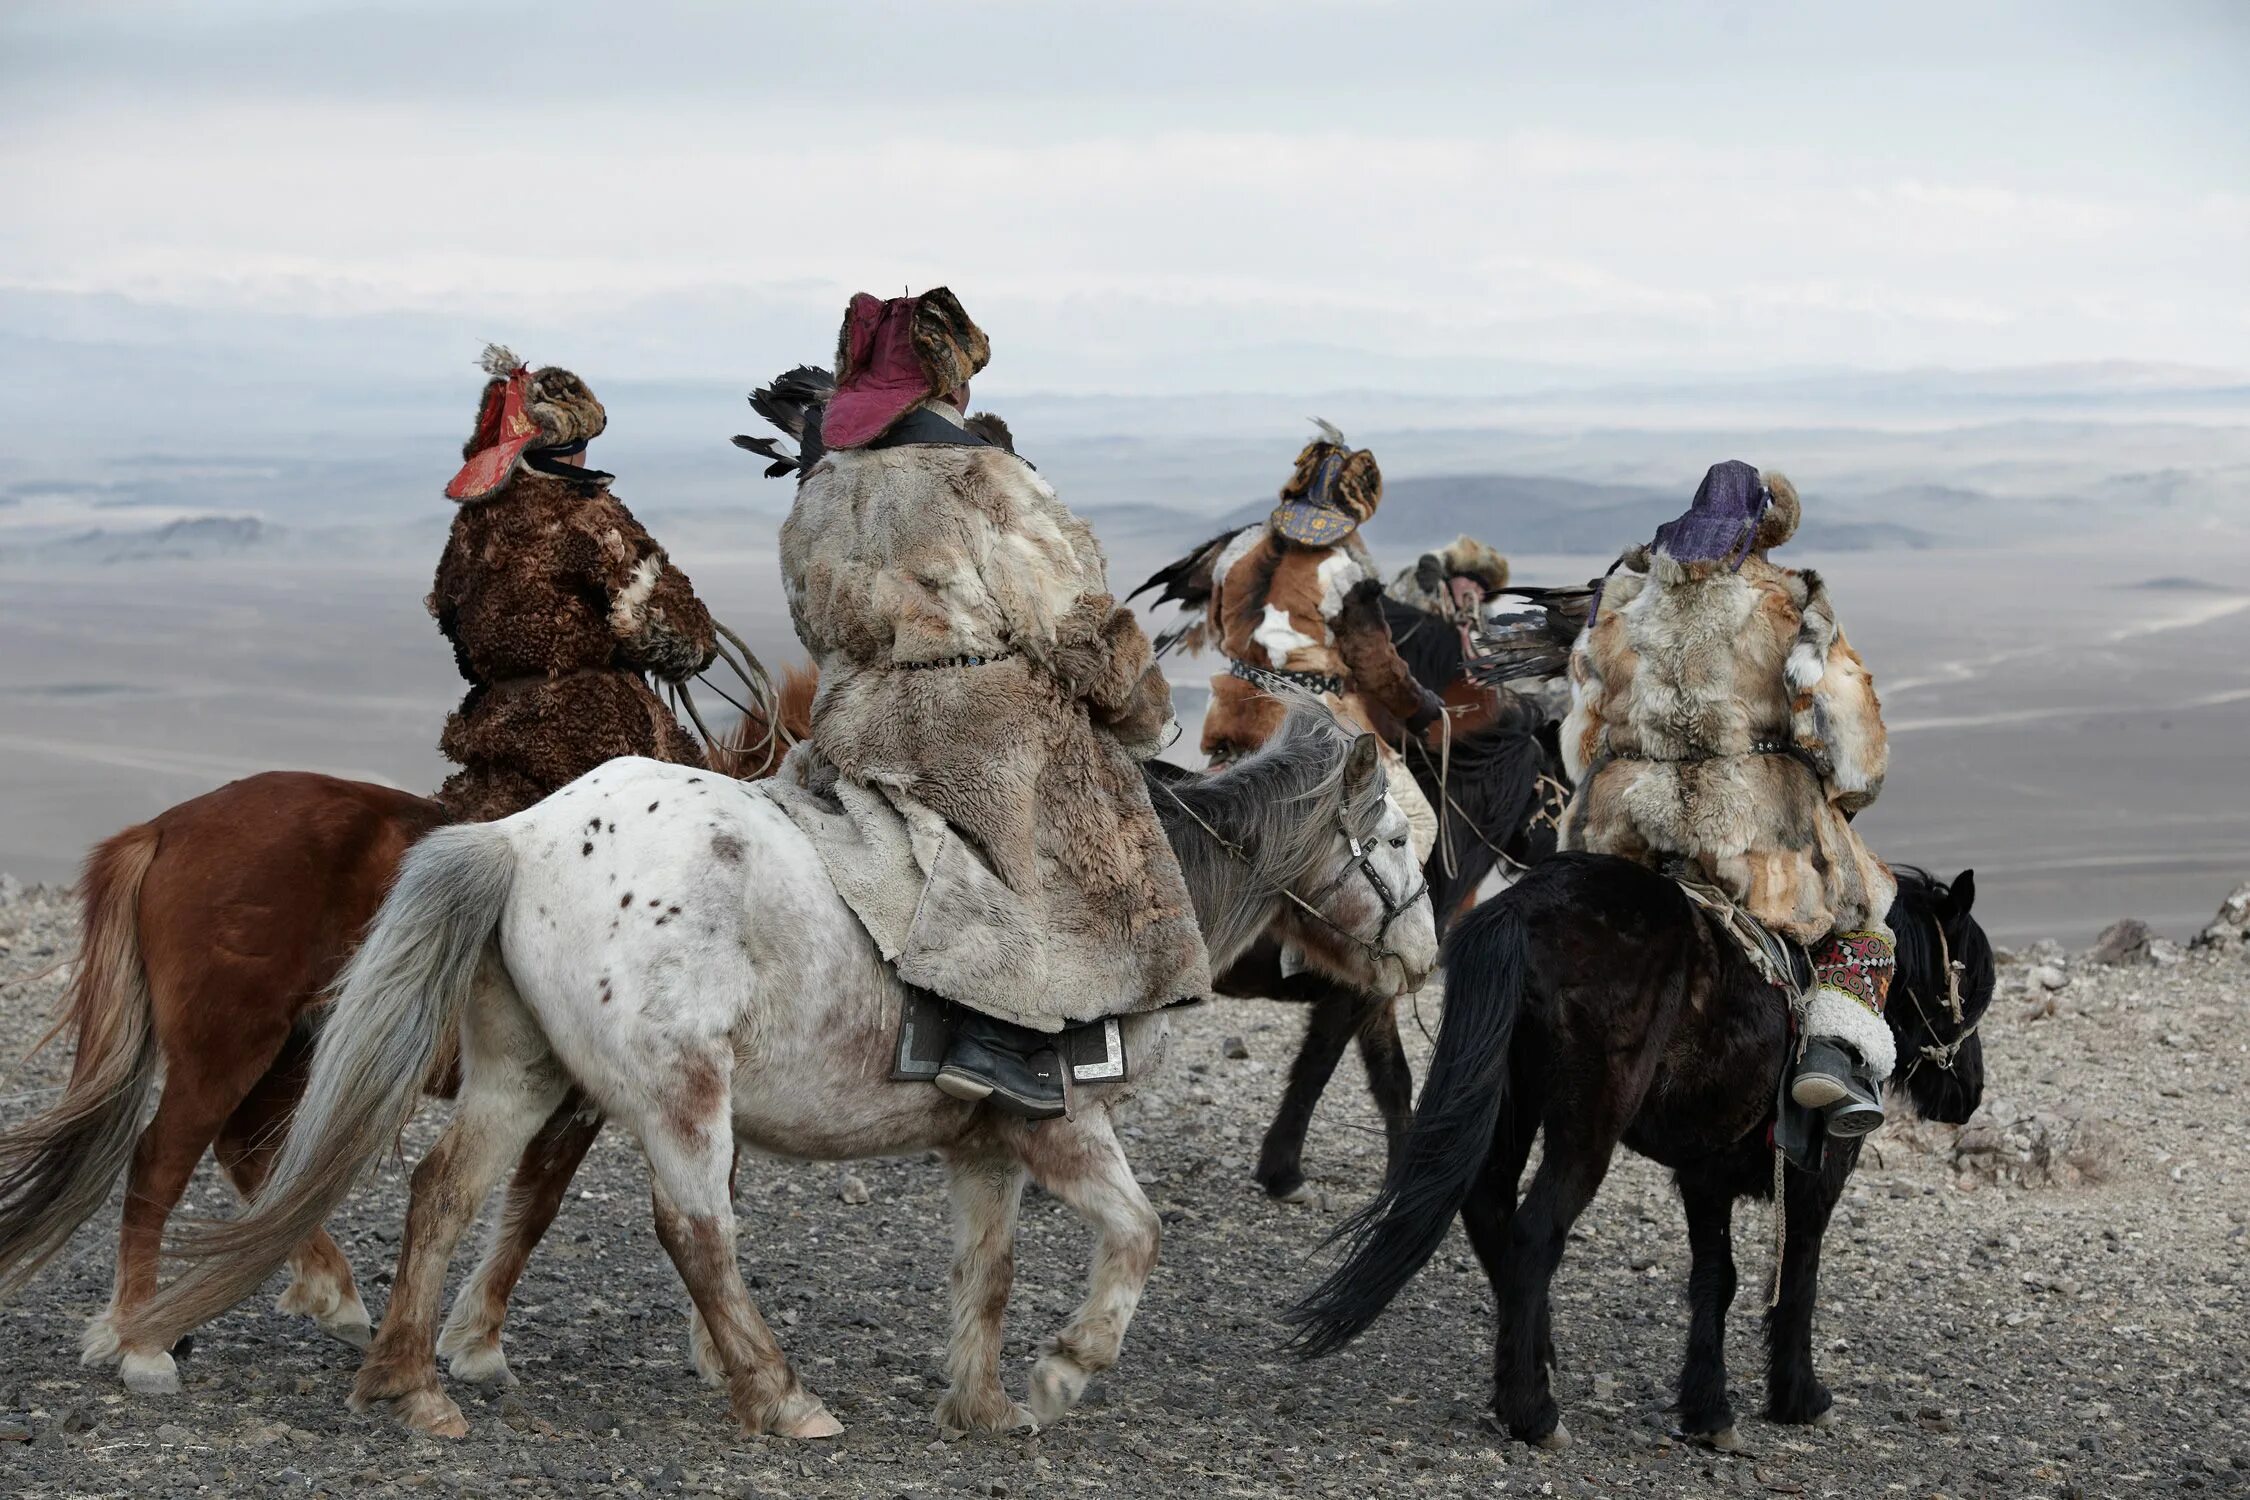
1188,583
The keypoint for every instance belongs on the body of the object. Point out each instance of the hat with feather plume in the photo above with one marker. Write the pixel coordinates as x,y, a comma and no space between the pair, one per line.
548,410
1333,491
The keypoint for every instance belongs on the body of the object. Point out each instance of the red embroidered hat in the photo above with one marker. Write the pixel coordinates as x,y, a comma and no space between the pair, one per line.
548,409
892,356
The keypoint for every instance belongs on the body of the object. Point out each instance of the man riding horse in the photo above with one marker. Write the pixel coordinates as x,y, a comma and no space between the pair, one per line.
1296,602
985,701
1722,729
556,602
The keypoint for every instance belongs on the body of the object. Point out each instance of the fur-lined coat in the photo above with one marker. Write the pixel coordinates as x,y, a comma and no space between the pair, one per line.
1722,717
1287,606
556,601
984,708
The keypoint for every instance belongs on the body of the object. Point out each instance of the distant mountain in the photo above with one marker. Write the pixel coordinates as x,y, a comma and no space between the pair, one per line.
194,538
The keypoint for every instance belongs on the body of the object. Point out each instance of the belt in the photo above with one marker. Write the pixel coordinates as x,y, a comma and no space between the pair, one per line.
1789,748
952,661
1271,677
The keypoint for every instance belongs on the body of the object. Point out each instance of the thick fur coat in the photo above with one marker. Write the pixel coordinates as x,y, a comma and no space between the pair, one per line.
1720,718
984,707
556,601
1289,607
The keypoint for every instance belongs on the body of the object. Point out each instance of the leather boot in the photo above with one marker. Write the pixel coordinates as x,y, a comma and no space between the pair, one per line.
1829,1078
1015,1068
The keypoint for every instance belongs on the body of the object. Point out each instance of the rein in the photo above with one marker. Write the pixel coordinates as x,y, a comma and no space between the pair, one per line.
1943,1056
1362,860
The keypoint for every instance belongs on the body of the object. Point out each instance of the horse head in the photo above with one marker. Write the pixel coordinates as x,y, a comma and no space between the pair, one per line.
1939,995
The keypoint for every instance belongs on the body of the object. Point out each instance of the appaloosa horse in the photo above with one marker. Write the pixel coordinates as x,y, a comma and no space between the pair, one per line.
211,934
1593,1003
668,942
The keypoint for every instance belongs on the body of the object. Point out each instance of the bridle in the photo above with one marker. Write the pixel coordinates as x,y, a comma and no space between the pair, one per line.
1943,1056
1362,860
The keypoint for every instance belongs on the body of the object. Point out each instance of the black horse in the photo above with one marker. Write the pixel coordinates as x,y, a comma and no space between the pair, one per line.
1594,1001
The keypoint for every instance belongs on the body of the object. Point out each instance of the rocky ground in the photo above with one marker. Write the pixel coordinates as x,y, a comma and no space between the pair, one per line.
2051,1301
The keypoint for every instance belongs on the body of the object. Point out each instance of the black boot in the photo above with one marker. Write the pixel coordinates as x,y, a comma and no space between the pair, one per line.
1830,1079
1014,1067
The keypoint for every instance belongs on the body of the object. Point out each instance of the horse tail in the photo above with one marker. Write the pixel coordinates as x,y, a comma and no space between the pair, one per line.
56,1168
1438,1164
396,1002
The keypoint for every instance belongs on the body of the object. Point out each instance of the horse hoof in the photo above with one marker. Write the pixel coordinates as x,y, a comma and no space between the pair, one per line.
1056,1385
1725,1440
809,1426
957,1419
1554,1442
1302,1193
150,1374
482,1364
355,1331
432,1413
1825,1420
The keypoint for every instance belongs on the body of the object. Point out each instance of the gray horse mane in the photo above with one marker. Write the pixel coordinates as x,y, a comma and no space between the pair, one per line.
1280,807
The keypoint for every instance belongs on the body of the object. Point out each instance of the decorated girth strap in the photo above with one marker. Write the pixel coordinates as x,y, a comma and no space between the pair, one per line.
1858,964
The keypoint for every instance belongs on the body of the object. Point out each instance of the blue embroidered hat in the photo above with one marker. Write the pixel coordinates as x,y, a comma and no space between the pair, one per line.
1722,524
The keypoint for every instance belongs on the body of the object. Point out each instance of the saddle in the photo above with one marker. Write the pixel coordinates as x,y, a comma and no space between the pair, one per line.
1798,1133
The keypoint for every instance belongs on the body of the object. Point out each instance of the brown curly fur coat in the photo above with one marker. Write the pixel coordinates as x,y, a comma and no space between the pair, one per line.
556,601
1041,887
1681,672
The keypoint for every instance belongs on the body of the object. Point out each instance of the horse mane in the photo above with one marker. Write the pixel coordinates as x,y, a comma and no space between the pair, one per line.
751,751
1282,801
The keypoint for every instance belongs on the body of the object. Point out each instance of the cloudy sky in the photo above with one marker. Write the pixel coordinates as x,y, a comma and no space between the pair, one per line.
1219,194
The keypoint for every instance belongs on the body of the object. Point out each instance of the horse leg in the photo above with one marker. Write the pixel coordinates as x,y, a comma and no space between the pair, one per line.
1793,1391
1705,1411
510,1085
1491,1204
201,1090
1327,1032
1581,1135
986,1191
320,1278
1388,1077
470,1341
690,1145
703,1350
1080,1162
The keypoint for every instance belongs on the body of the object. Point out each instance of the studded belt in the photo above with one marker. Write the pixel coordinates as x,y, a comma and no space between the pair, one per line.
1272,677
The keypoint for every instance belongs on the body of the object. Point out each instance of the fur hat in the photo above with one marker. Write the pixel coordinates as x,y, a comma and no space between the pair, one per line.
1333,492
892,356
521,411
1466,557
1779,523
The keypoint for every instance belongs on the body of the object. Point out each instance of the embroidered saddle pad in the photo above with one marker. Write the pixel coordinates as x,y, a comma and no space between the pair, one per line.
1094,1052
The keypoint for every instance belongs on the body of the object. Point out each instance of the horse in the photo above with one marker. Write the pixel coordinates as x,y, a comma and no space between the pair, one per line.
668,942
1593,1002
211,934
1498,791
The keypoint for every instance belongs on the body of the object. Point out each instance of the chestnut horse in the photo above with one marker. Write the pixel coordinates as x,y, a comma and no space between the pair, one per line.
211,934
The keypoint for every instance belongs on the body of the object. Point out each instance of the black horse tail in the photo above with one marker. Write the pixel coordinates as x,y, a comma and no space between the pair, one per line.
1485,962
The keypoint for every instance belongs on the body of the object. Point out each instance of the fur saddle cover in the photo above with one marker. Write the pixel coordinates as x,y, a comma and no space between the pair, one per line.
932,906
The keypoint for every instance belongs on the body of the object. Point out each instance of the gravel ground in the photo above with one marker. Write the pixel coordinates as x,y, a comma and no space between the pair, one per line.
2050,1301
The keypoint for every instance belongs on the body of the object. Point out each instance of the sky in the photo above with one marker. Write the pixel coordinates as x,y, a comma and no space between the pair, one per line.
1214,195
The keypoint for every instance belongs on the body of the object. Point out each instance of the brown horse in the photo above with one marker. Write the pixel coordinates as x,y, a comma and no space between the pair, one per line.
211,934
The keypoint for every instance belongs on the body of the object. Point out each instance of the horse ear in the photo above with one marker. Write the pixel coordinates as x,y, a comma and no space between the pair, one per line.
1362,764
1964,892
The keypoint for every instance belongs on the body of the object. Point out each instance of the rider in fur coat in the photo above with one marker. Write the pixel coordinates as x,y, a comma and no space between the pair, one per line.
978,682
1298,601
1722,727
556,602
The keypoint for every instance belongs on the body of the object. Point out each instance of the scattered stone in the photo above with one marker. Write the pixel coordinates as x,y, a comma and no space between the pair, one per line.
2231,928
173,1434
14,1431
1234,1047
2050,976
854,1190
2121,943
2001,1146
